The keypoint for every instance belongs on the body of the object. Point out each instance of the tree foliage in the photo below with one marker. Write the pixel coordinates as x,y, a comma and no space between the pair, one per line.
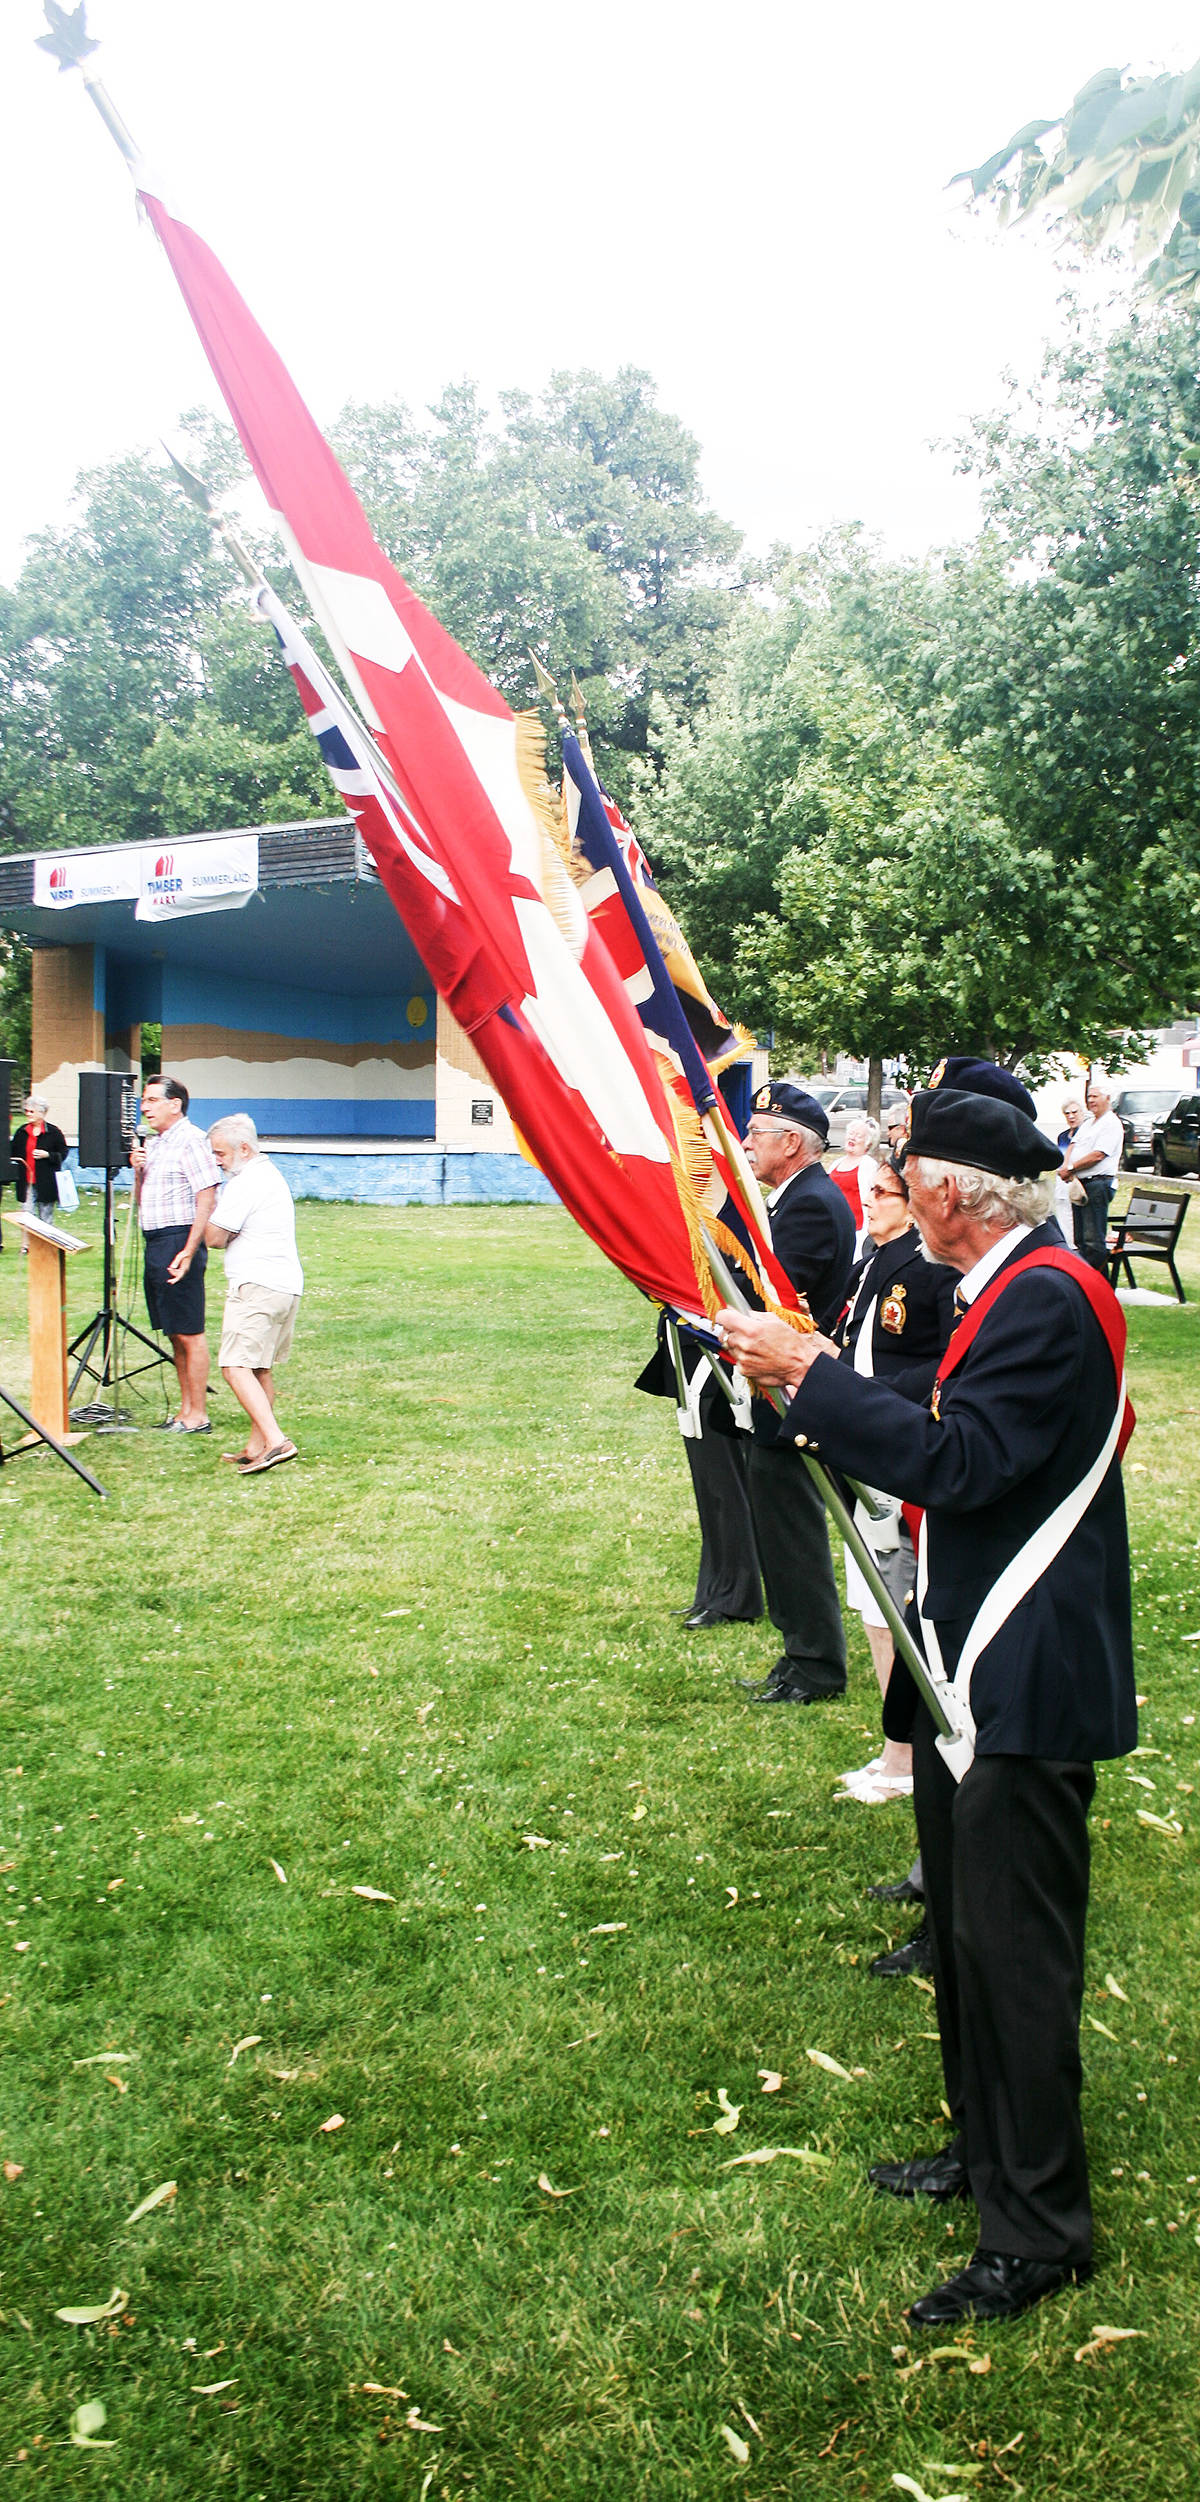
987,767
1122,165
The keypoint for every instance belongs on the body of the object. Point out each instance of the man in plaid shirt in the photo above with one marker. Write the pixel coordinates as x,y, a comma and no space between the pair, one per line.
175,1179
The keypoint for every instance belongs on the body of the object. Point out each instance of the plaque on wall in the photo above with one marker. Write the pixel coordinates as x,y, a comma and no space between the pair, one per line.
481,1112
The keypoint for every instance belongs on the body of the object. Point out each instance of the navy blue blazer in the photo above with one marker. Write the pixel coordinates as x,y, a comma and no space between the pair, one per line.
913,1316
1022,1419
812,1232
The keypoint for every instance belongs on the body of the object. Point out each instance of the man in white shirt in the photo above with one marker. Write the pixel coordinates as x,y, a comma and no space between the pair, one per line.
254,1223
1094,1158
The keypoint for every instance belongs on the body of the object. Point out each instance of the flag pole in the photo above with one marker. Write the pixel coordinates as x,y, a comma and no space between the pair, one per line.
69,43
939,1697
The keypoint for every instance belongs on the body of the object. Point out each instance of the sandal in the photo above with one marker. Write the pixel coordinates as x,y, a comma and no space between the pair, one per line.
273,1458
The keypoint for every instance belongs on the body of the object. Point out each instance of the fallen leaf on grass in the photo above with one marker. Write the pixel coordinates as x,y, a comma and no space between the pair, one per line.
769,2154
731,2113
416,2422
1102,2339
608,1928
1098,2027
1141,1779
274,1863
118,2081
249,2041
86,2422
86,2314
536,1841
372,1894
157,2198
551,2192
740,2448
908,2484
771,2080
919,1982
13,2171
327,2127
107,2058
1160,1823
732,1892
1114,1989
378,2389
211,2388
832,2067
639,1811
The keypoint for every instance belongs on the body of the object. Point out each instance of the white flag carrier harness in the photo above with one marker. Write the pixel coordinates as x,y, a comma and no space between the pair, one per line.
1048,1539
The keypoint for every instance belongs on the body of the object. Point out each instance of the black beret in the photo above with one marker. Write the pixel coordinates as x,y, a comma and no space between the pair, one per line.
984,1077
790,1103
980,1130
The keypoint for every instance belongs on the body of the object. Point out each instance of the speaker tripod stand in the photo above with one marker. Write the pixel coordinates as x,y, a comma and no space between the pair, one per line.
104,1343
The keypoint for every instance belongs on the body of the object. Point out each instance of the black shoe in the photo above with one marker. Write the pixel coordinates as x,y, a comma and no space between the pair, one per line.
702,1617
996,2286
902,1890
771,1693
937,2176
916,1955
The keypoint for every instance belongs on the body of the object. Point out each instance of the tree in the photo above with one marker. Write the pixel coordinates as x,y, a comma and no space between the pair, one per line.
578,528
844,872
1121,165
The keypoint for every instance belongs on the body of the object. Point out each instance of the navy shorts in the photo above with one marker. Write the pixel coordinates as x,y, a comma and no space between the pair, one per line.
178,1311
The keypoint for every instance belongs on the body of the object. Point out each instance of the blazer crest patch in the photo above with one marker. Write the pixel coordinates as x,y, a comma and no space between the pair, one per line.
893,1311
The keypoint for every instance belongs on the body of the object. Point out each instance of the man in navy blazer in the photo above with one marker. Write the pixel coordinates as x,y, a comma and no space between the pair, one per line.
812,1233
1025,1572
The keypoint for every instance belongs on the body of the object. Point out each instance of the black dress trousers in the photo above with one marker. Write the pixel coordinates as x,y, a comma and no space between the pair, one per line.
1006,1862
792,1536
727,1583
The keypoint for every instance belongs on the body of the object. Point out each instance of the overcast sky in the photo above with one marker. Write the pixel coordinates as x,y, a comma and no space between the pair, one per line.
749,201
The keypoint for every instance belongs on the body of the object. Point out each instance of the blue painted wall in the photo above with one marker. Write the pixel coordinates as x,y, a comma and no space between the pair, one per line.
433,1177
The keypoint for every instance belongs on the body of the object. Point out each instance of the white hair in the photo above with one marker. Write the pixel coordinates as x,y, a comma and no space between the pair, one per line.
998,1199
38,1101
238,1128
863,1121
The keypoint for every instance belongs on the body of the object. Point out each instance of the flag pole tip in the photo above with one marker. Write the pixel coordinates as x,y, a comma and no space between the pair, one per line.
193,487
68,41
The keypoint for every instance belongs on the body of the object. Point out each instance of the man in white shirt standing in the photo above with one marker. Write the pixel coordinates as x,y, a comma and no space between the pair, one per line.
254,1223
1094,1158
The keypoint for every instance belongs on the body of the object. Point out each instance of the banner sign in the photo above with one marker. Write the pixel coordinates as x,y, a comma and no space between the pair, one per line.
86,877
164,883
197,877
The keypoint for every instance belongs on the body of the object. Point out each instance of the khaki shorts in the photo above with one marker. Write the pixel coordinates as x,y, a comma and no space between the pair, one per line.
257,1326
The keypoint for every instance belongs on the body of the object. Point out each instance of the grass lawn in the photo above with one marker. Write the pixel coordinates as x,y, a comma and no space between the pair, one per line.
436,1659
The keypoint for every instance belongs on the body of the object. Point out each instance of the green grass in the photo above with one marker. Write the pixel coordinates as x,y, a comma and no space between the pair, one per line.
445,1630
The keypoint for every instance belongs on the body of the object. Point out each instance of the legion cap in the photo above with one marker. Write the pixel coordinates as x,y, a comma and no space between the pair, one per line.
982,1130
790,1103
970,1076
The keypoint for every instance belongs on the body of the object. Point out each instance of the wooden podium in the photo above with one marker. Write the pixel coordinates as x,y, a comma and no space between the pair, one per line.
48,1248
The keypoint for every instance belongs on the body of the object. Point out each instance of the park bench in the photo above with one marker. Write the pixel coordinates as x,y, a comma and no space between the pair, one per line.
1149,1230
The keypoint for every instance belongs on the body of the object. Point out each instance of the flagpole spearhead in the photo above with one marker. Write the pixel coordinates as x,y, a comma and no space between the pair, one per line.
68,41
548,690
197,493
579,708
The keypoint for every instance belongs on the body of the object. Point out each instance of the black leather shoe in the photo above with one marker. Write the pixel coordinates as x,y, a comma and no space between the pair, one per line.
996,2286
901,1890
700,1620
938,2176
916,1955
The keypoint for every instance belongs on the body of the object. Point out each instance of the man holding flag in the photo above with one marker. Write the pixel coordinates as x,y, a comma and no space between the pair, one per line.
1024,1604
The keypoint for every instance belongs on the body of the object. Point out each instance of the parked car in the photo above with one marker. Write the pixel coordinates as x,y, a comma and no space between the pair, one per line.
1177,1139
1138,1108
842,1104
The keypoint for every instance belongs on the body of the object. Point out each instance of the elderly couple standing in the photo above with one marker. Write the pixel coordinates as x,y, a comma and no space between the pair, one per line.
177,1176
